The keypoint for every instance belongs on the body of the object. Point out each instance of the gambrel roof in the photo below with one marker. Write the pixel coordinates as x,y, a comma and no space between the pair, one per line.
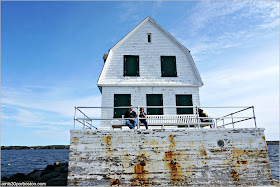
150,20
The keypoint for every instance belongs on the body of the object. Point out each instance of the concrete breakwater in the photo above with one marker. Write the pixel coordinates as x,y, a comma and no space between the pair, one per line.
169,157
52,175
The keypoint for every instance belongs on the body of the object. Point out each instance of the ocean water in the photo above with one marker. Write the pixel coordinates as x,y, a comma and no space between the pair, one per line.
273,154
25,161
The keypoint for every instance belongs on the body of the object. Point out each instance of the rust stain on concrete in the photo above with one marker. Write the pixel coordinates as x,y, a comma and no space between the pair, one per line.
140,177
243,162
190,169
235,176
114,182
153,142
237,152
171,162
75,139
173,166
239,162
263,138
172,141
108,141
203,152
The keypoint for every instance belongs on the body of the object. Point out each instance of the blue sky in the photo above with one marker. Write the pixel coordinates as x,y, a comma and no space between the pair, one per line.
52,57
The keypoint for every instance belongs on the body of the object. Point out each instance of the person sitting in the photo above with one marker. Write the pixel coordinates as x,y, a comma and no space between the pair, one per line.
142,114
202,116
130,114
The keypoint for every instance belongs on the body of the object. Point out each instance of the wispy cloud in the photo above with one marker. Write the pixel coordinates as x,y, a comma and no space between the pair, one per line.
214,26
156,7
130,12
57,136
247,80
46,108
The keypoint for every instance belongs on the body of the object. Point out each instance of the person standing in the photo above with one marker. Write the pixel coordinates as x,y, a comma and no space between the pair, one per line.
130,114
142,114
202,116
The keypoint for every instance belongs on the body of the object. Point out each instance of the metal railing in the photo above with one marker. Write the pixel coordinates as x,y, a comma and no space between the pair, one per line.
218,122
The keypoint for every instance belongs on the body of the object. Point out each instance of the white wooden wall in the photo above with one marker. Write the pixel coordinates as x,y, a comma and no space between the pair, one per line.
149,60
138,98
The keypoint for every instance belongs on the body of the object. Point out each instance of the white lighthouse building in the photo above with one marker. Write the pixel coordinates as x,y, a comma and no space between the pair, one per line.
151,69
148,67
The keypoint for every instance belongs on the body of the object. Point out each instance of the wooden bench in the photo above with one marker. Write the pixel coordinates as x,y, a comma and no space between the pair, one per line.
160,121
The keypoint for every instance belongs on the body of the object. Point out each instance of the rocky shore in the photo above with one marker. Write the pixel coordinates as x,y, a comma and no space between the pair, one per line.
52,175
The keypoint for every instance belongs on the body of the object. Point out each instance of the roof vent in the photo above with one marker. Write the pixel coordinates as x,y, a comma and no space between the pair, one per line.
105,57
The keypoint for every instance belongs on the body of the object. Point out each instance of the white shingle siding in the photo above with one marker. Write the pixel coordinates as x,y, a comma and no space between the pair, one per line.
138,98
149,60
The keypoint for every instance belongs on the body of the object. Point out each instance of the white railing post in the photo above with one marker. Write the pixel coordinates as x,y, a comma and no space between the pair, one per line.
198,120
75,117
232,120
137,122
91,124
215,125
254,116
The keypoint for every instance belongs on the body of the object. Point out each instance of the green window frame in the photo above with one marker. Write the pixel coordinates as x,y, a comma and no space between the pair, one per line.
154,100
131,65
184,100
119,101
149,37
168,66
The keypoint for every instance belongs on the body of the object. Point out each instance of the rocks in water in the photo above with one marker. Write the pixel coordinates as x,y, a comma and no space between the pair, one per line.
61,180
4,179
61,169
52,175
18,177
48,176
33,176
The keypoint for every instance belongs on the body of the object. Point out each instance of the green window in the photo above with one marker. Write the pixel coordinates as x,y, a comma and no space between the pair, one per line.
168,66
131,65
154,100
184,100
121,100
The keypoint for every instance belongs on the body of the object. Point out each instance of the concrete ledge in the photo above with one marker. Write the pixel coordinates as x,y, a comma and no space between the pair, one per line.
172,130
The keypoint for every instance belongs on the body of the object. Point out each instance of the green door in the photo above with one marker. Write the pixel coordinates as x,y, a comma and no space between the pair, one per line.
131,65
184,100
154,100
121,100
168,66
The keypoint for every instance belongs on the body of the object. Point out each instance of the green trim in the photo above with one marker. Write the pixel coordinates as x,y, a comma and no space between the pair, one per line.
154,100
168,66
119,101
130,65
184,100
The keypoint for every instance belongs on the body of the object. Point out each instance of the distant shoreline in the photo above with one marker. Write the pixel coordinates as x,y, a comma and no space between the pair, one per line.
272,142
67,146
35,147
